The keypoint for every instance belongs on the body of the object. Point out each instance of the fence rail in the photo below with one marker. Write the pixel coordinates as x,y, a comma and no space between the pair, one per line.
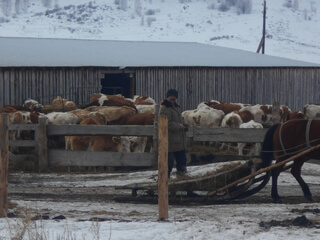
231,135
60,158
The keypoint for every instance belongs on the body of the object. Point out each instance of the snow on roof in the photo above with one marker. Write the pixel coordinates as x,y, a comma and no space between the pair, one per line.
45,52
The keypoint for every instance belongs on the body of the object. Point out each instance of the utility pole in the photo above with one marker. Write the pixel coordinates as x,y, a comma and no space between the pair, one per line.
264,25
262,42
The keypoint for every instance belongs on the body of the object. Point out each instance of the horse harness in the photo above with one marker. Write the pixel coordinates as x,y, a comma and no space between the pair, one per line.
307,136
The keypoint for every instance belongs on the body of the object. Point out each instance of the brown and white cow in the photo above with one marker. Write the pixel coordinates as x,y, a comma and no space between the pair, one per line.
98,143
140,143
227,107
63,102
146,108
236,118
22,117
113,114
100,99
143,100
263,113
205,117
32,105
296,115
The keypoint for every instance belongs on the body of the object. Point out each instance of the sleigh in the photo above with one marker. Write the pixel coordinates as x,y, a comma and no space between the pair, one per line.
208,188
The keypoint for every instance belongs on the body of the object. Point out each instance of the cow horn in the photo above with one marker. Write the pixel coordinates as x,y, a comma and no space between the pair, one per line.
116,140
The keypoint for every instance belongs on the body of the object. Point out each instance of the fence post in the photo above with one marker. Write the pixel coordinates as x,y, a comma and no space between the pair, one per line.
163,201
4,164
42,151
156,135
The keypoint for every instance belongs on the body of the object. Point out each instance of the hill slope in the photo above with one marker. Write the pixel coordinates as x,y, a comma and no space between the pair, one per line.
292,28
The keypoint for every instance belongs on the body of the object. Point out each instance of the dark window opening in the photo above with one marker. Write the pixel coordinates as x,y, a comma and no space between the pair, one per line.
117,84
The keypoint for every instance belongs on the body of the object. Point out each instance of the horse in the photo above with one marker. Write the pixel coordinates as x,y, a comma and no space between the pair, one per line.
287,139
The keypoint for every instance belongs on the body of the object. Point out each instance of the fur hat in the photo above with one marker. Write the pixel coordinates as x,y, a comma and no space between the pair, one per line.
172,92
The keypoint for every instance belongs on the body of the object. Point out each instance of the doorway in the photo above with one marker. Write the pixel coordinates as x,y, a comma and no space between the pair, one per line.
118,83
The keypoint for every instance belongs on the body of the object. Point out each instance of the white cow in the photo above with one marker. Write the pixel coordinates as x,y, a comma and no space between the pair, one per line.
255,149
62,118
311,111
204,117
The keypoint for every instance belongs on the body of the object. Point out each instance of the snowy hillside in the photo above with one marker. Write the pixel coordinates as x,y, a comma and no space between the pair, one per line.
293,27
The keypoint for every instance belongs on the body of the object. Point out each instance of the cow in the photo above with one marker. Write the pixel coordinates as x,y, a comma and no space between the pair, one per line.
61,118
143,100
209,103
84,113
98,143
234,119
7,109
146,108
100,99
138,143
311,111
81,114
205,117
296,115
32,105
263,113
113,114
22,117
226,107
137,119
251,149
59,101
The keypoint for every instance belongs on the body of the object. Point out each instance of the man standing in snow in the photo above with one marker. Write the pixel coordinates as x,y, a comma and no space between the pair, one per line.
177,135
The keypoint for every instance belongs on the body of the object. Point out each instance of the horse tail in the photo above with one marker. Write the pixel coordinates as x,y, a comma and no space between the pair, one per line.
267,147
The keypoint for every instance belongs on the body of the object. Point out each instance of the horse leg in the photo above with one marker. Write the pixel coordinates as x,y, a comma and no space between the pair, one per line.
296,172
274,189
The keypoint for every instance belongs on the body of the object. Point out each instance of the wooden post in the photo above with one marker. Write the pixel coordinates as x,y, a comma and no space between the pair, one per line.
276,112
4,164
42,151
163,200
156,135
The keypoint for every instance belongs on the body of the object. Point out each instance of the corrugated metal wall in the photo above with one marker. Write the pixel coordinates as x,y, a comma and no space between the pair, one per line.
294,87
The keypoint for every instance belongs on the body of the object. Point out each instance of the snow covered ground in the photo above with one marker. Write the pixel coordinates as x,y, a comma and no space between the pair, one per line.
87,217
292,32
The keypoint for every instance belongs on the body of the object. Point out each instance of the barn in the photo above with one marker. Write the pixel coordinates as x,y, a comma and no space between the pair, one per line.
42,69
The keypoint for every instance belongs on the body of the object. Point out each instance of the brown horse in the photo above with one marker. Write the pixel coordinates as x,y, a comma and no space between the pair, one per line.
285,140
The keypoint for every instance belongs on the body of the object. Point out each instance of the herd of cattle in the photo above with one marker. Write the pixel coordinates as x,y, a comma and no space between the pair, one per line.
118,110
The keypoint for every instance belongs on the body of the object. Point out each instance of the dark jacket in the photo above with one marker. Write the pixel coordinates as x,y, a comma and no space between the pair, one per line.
177,136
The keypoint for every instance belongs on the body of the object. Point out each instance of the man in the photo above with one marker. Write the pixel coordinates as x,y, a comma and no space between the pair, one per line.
177,135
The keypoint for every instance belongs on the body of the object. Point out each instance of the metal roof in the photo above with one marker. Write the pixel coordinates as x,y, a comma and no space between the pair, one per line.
45,52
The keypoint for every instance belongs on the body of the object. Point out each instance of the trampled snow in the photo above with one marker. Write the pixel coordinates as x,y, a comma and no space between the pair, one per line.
108,219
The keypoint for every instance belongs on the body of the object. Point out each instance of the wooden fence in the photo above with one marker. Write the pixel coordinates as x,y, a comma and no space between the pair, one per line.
66,158
58,158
